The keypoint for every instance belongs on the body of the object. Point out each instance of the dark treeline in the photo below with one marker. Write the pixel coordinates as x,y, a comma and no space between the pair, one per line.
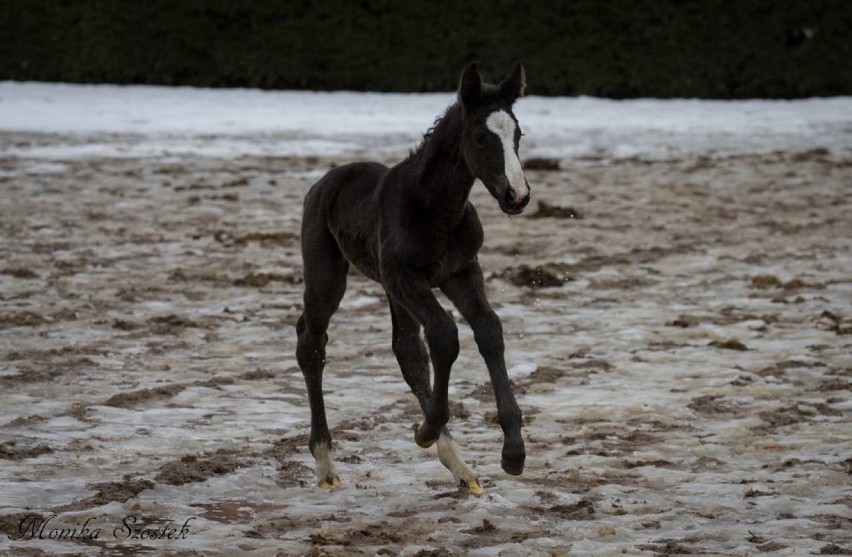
612,48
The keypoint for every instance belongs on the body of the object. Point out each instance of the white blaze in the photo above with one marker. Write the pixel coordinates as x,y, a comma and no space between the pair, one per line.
504,127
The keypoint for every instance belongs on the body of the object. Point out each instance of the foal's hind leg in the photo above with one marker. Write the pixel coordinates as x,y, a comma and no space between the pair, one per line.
414,362
325,283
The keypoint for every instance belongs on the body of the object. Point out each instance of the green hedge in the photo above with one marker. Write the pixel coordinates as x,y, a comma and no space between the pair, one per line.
611,48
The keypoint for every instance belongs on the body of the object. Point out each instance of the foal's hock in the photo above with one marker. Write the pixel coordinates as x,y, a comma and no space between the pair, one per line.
412,228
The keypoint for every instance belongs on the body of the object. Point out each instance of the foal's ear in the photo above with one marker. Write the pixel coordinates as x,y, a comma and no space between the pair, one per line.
513,86
470,84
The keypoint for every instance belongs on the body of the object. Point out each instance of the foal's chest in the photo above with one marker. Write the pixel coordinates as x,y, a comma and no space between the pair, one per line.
460,249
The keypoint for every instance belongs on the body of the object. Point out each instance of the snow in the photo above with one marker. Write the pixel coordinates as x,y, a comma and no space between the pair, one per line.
144,121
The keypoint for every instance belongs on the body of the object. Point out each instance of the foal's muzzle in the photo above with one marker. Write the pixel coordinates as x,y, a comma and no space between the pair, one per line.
511,205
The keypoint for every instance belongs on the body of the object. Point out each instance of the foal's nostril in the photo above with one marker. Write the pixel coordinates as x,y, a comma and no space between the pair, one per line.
511,196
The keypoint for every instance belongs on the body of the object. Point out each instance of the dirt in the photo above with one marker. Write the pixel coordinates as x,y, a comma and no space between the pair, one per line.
192,468
121,492
730,344
543,276
542,163
680,353
131,399
11,451
548,211
20,273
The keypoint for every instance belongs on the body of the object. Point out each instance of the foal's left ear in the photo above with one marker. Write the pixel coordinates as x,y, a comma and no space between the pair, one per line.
513,86
470,85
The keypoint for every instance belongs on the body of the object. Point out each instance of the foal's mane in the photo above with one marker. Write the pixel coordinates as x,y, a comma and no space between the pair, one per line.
444,132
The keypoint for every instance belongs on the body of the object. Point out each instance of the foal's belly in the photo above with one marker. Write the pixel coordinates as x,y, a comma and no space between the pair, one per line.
366,267
436,272
358,253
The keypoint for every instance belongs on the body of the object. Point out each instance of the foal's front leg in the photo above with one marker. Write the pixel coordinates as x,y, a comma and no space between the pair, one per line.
466,289
411,291
414,364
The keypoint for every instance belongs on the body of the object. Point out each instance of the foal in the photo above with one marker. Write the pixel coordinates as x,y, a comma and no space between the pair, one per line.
411,228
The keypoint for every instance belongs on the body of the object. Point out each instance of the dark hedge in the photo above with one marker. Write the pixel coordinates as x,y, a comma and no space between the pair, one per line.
611,48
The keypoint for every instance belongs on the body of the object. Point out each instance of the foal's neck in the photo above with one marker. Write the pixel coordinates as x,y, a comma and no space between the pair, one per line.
444,177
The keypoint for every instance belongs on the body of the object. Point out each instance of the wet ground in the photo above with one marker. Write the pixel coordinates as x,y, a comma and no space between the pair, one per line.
679,335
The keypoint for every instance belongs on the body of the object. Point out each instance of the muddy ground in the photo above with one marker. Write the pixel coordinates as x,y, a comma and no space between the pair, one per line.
679,335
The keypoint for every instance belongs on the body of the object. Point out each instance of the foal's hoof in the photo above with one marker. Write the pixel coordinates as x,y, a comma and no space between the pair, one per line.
334,481
474,486
513,456
513,462
424,437
513,467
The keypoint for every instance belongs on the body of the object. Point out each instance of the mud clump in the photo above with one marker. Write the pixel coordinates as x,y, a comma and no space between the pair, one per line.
549,275
257,374
581,510
119,491
658,463
20,319
14,526
751,493
548,211
440,552
545,374
458,410
265,239
375,534
192,468
131,399
109,492
269,238
730,344
542,163
670,547
11,451
763,282
833,322
284,448
485,527
684,321
319,539
259,280
123,325
815,154
795,413
293,474
711,404
834,549
170,324
482,393
627,283
19,273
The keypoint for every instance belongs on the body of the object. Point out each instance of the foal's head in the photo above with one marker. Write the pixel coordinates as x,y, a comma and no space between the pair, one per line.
491,136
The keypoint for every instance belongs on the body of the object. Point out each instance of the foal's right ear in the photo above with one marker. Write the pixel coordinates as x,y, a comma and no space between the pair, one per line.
513,86
470,84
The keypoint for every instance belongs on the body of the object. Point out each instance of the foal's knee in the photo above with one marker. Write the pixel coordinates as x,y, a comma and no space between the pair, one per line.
443,342
488,332
404,345
310,348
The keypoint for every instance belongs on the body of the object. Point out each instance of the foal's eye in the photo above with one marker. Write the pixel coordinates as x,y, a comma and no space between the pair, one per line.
480,138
